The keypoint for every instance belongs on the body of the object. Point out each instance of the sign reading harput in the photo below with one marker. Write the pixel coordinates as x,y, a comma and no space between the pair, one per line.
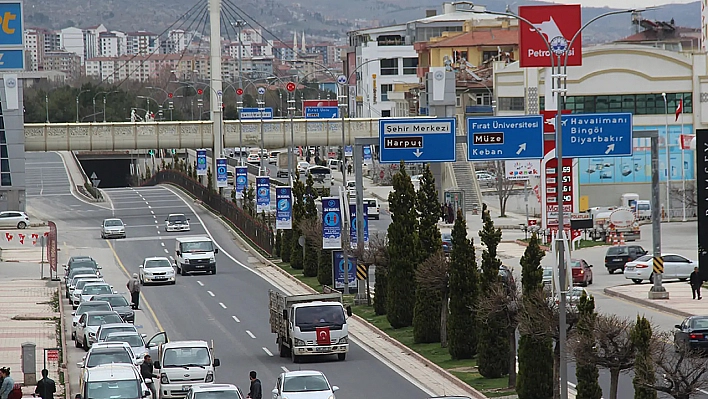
558,24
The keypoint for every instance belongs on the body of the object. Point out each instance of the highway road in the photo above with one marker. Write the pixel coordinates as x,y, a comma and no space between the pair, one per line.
230,308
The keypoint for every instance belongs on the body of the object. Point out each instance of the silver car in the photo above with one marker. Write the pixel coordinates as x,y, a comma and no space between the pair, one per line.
76,294
88,325
14,219
93,306
112,228
135,340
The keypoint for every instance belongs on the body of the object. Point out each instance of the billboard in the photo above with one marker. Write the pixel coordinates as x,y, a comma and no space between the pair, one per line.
319,103
262,194
557,24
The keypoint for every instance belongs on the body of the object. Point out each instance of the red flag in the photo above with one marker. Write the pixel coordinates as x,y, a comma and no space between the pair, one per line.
35,236
679,109
8,236
323,336
22,238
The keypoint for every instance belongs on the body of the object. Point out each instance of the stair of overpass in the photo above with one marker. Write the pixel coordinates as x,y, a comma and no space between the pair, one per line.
466,179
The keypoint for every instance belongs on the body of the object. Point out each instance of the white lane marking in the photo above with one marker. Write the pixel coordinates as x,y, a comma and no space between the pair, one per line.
269,353
162,243
222,305
153,212
250,334
198,282
210,293
155,220
285,369
147,203
149,207
165,250
236,319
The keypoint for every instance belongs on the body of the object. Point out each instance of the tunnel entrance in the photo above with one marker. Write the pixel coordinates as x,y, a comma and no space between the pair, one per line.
112,173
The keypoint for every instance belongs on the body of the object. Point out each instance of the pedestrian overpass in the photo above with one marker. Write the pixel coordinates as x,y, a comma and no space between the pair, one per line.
118,136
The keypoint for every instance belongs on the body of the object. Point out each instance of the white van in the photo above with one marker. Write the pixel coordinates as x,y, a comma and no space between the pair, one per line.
181,364
333,164
195,254
115,380
373,209
643,209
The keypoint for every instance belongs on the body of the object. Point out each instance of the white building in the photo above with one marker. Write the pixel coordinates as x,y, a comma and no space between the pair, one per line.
177,41
112,44
92,42
142,43
34,46
72,40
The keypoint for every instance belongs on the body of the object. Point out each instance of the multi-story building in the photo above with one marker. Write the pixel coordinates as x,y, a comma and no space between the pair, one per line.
112,44
72,40
52,40
63,61
92,42
177,41
34,46
283,50
142,43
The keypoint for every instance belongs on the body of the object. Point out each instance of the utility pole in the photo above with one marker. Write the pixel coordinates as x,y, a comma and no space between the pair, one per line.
215,85
239,100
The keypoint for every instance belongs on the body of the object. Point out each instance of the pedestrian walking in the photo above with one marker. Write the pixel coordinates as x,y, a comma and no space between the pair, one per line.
442,213
255,392
8,384
696,281
134,288
147,371
46,387
450,214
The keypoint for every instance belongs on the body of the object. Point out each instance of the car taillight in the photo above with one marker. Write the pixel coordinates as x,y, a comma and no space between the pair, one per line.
696,336
582,271
642,266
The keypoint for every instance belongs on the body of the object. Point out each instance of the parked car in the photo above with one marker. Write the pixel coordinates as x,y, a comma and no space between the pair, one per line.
105,329
617,256
446,242
75,276
692,333
118,304
95,288
89,323
581,272
76,293
99,354
135,340
93,306
112,228
81,261
675,267
214,391
14,219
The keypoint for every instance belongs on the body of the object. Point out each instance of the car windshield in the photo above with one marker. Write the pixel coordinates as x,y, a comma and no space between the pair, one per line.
132,340
305,383
113,223
226,394
447,237
96,289
80,285
106,331
197,246
319,316
574,263
75,271
186,357
129,389
699,323
643,258
157,263
643,207
176,218
616,251
108,357
86,276
116,301
92,307
97,320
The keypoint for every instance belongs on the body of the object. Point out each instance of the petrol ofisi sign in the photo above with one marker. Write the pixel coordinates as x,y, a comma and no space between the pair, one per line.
557,24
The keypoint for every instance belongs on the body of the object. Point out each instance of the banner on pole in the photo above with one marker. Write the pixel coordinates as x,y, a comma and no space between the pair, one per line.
262,194
201,162
284,208
331,223
241,181
352,225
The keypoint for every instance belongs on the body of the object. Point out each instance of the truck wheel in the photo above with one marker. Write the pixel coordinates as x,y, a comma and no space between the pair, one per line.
637,280
283,350
341,356
182,272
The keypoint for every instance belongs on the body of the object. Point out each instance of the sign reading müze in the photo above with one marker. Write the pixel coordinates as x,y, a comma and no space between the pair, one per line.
331,223
241,180
283,208
262,194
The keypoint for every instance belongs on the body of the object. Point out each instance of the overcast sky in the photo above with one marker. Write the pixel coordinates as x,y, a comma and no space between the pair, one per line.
622,3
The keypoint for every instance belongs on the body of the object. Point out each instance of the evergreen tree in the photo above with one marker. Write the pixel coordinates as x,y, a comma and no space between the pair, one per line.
403,247
535,378
299,213
493,345
285,246
464,291
426,316
644,373
278,242
249,200
381,275
586,372
324,267
310,263
210,180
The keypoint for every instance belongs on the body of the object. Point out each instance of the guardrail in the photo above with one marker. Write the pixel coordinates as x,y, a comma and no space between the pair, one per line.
258,232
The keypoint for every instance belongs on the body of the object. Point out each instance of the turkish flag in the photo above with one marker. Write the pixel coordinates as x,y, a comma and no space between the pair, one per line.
22,238
323,336
679,109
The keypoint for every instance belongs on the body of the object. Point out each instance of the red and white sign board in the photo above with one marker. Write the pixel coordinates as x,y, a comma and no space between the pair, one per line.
53,355
686,141
550,177
558,24
319,103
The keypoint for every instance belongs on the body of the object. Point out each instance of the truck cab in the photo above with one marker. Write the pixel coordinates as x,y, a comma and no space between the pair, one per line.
181,364
195,254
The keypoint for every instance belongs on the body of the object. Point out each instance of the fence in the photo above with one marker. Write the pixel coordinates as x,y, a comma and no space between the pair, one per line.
256,231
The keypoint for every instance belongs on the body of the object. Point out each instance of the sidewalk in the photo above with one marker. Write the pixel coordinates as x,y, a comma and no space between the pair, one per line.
679,303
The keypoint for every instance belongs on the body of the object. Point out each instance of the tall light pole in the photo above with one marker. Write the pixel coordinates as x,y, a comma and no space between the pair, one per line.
104,103
668,159
217,112
46,105
77,103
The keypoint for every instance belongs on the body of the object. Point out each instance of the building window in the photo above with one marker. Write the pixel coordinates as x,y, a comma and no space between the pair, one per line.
384,91
389,66
488,55
5,179
410,66
637,104
511,103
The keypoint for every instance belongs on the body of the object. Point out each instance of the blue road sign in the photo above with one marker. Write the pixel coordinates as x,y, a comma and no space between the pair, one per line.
201,163
331,223
321,112
255,113
339,269
597,135
284,208
505,137
348,151
221,172
262,194
11,26
417,140
367,152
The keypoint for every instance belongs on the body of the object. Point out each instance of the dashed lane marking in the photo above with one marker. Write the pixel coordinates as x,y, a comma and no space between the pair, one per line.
198,282
269,353
250,334
210,293
236,319
222,305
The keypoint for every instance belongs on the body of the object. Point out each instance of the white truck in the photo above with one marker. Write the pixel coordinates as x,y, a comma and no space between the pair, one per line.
283,165
618,221
181,364
308,325
195,254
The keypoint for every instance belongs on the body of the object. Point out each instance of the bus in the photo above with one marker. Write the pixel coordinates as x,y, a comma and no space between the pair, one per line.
322,178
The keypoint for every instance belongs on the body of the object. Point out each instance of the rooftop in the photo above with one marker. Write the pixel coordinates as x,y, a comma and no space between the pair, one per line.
481,37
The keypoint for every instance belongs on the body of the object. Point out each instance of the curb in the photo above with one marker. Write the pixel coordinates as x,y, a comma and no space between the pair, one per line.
525,244
646,302
64,353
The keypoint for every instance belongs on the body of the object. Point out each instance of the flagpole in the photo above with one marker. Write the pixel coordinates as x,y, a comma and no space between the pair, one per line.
683,169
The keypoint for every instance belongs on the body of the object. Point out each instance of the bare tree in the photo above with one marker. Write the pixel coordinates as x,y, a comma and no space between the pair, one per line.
312,230
373,254
503,302
433,274
504,186
677,195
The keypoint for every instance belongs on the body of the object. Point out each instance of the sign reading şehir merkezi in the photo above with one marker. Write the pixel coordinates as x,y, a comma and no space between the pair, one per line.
597,135
507,137
417,140
256,113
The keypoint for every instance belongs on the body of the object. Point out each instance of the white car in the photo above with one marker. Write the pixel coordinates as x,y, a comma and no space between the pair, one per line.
76,293
675,267
135,340
14,219
96,288
302,166
303,384
88,325
486,178
214,391
71,285
253,158
373,210
93,306
157,270
177,222
102,353
112,228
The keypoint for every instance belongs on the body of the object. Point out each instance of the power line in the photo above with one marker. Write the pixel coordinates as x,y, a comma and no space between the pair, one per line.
240,12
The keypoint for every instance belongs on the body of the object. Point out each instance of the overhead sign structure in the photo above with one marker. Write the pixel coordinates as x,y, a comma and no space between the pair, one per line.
331,223
283,208
321,112
597,135
241,180
201,162
522,169
221,173
256,113
557,24
262,194
352,225
338,265
416,140
508,137
11,36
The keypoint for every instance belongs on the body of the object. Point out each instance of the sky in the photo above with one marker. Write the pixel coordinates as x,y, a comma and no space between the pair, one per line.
622,3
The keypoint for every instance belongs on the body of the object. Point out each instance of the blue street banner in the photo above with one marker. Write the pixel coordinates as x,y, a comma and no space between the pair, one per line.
201,162
352,225
331,223
367,153
241,180
348,151
221,173
284,208
338,266
262,194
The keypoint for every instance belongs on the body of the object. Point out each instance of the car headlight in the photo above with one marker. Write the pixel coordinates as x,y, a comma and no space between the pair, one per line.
212,259
343,340
148,272
209,377
164,379
186,261
299,342
92,334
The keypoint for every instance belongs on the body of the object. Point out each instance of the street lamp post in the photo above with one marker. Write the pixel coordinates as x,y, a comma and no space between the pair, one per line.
46,105
77,103
668,159
104,103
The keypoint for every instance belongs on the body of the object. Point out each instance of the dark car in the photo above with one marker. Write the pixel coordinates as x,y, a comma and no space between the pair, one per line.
446,243
582,272
119,304
617,256
81,261
692,333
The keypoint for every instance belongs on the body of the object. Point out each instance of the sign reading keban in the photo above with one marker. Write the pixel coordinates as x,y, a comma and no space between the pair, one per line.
241,180
262,194
522,169
331,223
321,112
348,151
201,162
352,225
283,208
221,173
338,263
504,137
557,24
622,218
